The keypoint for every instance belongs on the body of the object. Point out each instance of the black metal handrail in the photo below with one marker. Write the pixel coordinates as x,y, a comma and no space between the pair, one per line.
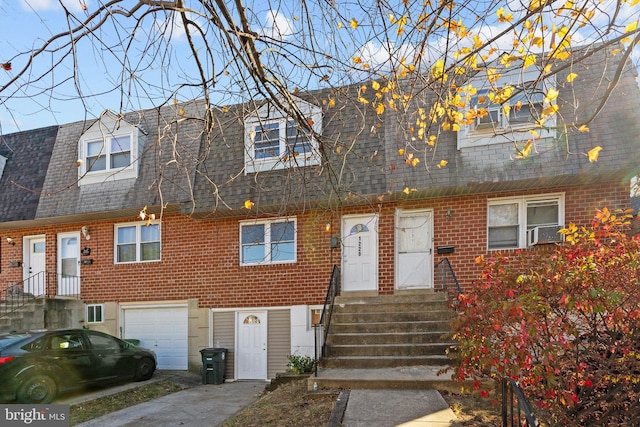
445,279
322,328
515,408
42,284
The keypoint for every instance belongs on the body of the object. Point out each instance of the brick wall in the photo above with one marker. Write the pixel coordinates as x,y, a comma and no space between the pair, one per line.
200,259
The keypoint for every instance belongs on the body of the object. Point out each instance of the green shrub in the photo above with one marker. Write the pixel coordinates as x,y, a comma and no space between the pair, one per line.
300,364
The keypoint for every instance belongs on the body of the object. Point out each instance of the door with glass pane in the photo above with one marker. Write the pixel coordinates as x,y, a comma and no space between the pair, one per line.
69,263
34,265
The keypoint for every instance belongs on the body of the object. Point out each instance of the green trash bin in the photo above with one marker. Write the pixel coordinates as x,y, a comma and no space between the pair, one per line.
214,365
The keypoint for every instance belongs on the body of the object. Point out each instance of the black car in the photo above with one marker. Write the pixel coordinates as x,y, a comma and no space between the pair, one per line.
35,366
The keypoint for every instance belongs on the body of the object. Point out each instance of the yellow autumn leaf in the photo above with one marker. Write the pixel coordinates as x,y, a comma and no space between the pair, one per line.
443,163
380,108
551,95
332,102
631,27
502,17
415,161
357,60
594,153
571,77
526,150
353,23
477,42
363,100
401,151
406,190
339,24
529,60
583,128
175,101
248,204
181,111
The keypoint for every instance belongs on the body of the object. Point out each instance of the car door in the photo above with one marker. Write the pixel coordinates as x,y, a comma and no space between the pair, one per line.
67,353
111,362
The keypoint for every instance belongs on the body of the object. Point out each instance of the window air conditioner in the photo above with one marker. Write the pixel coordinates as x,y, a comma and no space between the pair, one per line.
547,234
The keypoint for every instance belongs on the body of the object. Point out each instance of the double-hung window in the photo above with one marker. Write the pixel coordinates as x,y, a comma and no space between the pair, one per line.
137,242
268,242
507,109
108,154
108,151
275,141
520,222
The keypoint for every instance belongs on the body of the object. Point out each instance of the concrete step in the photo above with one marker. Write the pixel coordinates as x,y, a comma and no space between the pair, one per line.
390,307
405,297
389,327
410,378
387,338
371,362
388,350
340,316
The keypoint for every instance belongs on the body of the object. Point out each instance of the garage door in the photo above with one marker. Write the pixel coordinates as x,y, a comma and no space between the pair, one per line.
163,330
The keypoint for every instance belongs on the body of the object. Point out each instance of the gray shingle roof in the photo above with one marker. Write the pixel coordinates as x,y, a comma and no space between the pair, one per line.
28,154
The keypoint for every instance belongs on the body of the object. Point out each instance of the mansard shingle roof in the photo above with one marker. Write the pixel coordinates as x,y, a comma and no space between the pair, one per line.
28,154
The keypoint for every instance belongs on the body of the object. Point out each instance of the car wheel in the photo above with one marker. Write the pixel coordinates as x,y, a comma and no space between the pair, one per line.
37,389
145,369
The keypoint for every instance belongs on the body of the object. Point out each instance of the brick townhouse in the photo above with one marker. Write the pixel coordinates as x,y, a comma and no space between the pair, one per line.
254,214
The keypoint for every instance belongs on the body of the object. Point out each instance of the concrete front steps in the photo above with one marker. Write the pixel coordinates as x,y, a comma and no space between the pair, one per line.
387,341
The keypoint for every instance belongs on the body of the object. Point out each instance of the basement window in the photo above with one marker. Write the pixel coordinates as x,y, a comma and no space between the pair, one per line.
95,313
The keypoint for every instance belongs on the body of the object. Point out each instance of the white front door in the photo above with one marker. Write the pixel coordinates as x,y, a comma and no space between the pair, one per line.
360,253
414,249
34,265
69,263
251,351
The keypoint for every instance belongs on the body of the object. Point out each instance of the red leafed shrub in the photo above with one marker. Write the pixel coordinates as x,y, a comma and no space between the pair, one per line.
565,323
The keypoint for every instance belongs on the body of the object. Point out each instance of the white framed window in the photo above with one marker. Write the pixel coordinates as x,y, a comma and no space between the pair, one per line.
497,121
520,222
108,151
275,141
137,242
268,241
94,313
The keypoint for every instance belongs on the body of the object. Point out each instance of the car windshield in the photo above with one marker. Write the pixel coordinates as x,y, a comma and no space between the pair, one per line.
8,339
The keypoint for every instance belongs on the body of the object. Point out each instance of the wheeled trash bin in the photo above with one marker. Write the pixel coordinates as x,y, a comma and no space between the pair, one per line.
214,364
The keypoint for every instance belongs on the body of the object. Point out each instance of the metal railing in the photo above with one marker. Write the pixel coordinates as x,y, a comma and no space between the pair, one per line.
322,328
445,279
515,408
43,284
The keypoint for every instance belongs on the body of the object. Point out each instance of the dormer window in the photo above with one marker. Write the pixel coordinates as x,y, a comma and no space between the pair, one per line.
507,109
108,151
275,141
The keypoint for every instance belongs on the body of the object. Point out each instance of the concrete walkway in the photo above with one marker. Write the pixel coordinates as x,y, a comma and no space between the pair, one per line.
391,408
210,405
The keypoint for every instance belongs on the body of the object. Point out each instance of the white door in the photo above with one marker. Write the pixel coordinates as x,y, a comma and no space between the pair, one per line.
414,249
164,330
34,265
251,351
360,253
69,263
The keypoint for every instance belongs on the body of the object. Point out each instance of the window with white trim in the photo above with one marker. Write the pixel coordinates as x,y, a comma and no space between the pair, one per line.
275,141
268,242
508,109
108,151
511,222
94,313
137,242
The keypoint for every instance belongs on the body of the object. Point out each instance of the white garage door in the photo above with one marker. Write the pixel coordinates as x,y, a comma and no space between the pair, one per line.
163,330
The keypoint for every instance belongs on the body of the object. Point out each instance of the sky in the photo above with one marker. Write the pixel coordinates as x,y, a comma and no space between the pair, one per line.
25,24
